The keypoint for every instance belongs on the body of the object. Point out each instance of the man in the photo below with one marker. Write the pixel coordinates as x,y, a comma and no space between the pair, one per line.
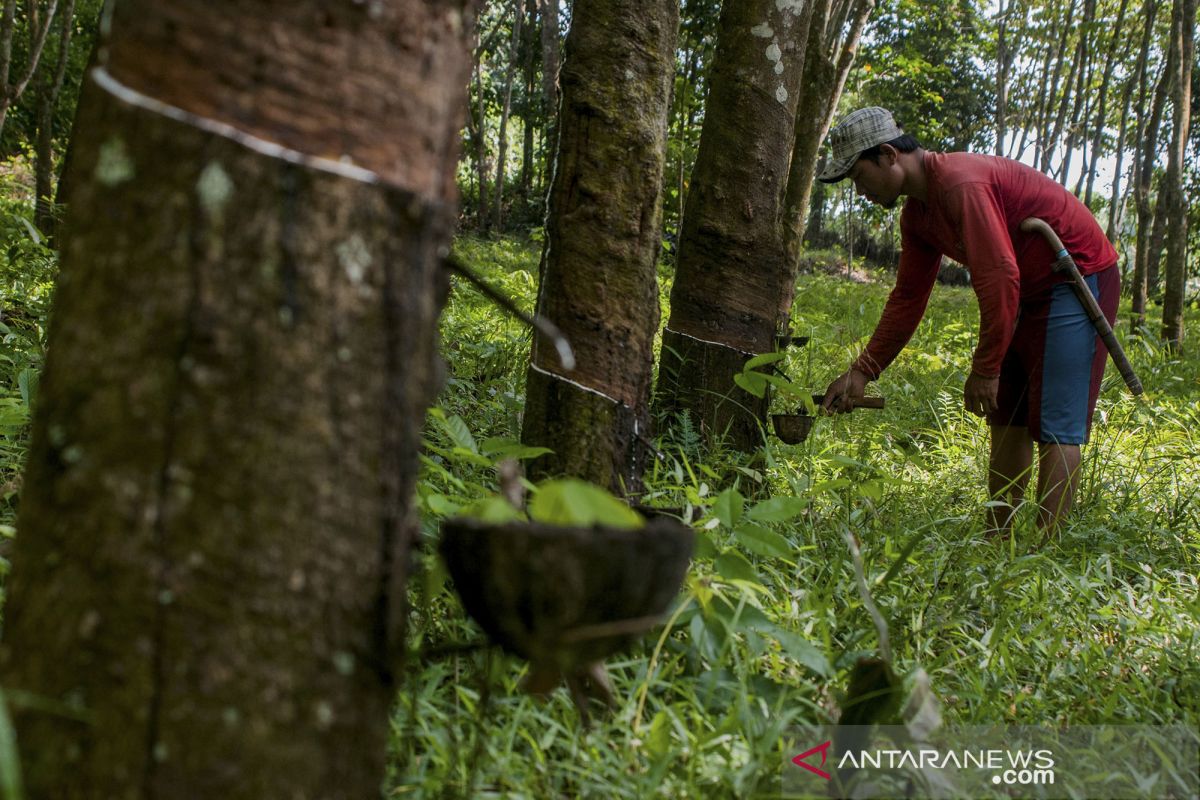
1036,371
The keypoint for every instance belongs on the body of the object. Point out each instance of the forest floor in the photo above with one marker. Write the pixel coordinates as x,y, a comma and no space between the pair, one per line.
1099,626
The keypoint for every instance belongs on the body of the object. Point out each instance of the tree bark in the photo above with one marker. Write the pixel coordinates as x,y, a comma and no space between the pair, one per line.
48,91
1148,149
11,91
527,104
1073,99
1003,62
483,175
1116,207
828,55
732,268
603,233
549,31
208,585
1183,32
1048,130
514,58
1102,106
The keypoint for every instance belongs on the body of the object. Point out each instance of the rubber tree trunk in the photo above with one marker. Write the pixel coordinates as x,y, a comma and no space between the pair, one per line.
48,88
548,28
207,591
603,234
510,72
1183,31
731,266
1146,158
828,57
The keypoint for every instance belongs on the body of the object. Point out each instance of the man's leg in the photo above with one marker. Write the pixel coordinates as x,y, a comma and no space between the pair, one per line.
1008,474
1058,478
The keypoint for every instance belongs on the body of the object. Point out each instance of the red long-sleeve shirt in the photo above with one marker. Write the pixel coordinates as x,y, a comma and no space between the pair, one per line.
972,213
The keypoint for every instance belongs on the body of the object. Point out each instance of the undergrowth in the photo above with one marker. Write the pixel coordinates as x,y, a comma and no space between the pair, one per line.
1097,626
27,271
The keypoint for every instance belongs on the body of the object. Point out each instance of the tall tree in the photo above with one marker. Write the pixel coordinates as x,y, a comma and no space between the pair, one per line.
514,58
1183,33
1138,82
731,268
1048,128
598,270
207,591
832,33
1146,155
548,15
39,18
48,89
1117,46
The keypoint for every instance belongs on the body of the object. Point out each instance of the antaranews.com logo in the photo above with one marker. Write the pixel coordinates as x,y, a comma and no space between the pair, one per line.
1009,767
1108,761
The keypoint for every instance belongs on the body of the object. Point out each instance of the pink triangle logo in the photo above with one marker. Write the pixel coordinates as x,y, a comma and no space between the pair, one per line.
823,749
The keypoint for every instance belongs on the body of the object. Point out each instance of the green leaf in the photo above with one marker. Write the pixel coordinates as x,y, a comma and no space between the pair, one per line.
575,502
705,548
441,505
458,432
495,510
27,382
763,541
10,765
803,651
901,559
733,566
778,509
728,507
659,737
753,382
498,448
762,360
831,486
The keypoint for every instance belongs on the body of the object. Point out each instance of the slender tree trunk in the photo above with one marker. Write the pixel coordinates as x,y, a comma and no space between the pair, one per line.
483,176
1116,199
1039,113
527,104
603,233
549,33
732,268
39,20
1158,240
1183,39
1073,99
1003,60
1050,127
1145,176
686,119
1102,107
1149,11
505,109
828,56
208,585
48,91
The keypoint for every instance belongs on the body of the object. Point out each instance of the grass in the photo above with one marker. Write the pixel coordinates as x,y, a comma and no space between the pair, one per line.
1098,626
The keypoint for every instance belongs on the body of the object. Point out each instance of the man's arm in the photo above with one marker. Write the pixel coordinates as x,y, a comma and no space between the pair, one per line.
902,314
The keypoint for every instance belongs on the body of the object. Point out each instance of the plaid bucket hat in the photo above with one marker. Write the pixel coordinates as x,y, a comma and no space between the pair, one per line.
859,130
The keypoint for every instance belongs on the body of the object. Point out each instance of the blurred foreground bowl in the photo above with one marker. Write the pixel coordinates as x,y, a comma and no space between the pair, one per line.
566,597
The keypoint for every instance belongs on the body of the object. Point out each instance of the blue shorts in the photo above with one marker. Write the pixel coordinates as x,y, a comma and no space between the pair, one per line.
1051,374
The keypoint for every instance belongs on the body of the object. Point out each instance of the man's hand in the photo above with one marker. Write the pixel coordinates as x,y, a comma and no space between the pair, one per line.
848,386
979,395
